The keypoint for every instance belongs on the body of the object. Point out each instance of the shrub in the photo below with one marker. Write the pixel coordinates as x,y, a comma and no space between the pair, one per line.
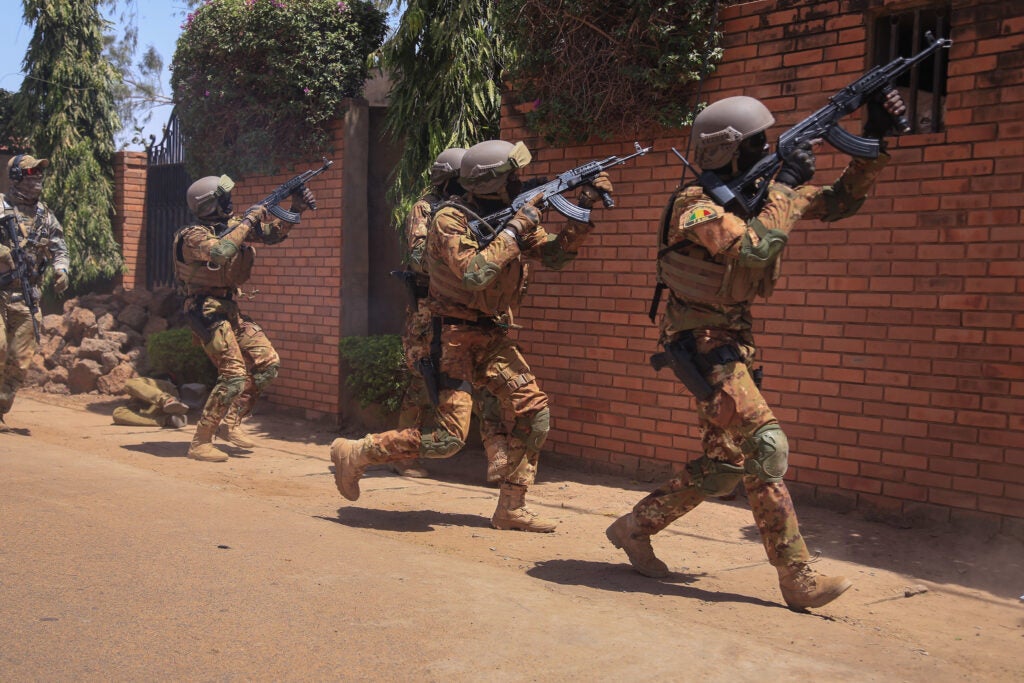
173,352
378,373
257,82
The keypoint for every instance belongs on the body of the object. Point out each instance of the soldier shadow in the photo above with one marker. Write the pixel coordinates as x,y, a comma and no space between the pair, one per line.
106,407
20,431
177,449
403,520
620,578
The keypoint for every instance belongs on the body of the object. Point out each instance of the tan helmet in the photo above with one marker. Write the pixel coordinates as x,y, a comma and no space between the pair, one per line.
486,165
446,166
720,128
204,196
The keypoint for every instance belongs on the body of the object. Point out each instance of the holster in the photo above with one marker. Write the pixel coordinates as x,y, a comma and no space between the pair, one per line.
691,367
197,323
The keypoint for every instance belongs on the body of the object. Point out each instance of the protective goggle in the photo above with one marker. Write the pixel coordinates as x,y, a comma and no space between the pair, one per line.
29,172
221,194
518,157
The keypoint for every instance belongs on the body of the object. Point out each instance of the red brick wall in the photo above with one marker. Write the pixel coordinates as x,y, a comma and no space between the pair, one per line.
893,348
299,282
130,214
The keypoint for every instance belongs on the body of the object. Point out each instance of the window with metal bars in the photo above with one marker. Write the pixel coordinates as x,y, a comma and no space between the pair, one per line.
923,87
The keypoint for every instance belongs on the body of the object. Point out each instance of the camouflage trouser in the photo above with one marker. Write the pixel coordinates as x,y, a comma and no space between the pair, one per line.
730,416
484,359
144,409
17,347
246,361
416,408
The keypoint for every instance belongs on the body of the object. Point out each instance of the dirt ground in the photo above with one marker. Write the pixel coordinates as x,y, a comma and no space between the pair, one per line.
102,577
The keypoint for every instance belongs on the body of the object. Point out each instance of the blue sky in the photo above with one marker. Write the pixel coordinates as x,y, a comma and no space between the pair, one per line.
159,23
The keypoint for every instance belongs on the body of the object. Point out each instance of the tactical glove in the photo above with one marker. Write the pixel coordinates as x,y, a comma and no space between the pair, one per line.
591,192
303,199
61,281
525,220
883,110
798,168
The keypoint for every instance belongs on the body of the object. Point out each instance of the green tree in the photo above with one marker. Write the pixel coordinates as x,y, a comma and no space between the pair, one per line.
604,68
257,83
66,108
445,61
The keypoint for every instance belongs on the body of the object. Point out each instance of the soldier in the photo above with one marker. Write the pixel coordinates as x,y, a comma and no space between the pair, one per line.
212,259
473,293
153,402
416,405
42,239
714,263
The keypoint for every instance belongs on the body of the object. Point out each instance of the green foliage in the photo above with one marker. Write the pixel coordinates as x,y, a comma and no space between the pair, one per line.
601,68
257,82
66,108
378,371
445,62
172,351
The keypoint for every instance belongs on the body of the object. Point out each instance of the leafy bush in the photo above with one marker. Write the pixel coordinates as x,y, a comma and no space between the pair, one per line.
173,352
378,372
601,68
257,82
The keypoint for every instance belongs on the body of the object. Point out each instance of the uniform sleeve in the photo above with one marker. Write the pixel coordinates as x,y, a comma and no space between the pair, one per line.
845,197
451,243
558,251
416,225
57,246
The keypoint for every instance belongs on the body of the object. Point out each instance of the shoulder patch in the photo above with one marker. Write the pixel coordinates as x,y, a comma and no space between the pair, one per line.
699,215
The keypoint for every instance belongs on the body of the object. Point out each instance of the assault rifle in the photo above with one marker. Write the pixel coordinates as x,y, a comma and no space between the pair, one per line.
289,188
746,195
487,228
23,269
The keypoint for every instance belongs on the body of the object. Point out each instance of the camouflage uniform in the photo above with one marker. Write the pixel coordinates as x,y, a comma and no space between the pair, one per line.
416,405
152,403
713,281
245,359
42,237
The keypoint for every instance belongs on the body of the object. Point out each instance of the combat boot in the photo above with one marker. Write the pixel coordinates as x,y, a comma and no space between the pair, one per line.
496,449
3,425
234,433
170,405
350,458
202,447
625,534
408,468
802,587
512,513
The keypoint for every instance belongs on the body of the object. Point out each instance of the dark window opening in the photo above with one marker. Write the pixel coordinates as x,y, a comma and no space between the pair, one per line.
923,87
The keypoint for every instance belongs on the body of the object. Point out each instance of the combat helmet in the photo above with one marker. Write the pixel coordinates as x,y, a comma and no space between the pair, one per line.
210,197
719,129
446,166
486,165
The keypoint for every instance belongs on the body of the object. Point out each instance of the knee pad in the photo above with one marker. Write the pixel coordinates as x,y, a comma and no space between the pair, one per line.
712,477
532,429
265,376
227,389
440,444
767,453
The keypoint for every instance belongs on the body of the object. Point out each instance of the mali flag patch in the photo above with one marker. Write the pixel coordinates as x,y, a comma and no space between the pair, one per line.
699,215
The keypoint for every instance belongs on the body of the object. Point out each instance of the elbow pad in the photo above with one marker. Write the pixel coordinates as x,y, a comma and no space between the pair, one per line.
770,245
223,251
480,273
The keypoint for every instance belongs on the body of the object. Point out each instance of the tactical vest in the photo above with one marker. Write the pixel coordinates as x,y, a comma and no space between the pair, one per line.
692,274
498,299
195,276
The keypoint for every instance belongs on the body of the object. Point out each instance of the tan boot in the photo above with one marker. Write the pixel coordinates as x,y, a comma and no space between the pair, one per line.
408,468
802,587
233,431
624,533
496,449
172,406
202,447
512,513
350,458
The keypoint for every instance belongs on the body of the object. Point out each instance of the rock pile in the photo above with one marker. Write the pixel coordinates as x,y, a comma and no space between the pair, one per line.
100,340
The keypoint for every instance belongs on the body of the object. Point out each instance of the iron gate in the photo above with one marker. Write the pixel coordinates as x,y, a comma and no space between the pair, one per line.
166,210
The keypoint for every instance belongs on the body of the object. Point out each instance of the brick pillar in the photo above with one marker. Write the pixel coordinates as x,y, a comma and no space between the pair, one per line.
130,215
